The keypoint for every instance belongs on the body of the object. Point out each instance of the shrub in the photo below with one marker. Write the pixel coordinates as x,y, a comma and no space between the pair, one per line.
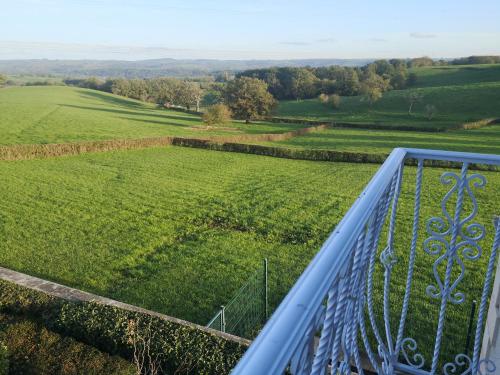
323,98
217,114
180,347
36,350
335,101
4,360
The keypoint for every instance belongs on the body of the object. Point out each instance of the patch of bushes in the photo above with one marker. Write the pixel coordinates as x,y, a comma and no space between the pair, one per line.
217,114
479,124
180,348
33,349
4,359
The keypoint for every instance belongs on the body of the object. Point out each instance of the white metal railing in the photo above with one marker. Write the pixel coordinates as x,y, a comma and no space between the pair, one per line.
327,322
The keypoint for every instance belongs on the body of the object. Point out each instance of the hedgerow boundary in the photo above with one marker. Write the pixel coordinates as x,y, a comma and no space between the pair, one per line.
182,347
28,152
216,143
37,151
350,125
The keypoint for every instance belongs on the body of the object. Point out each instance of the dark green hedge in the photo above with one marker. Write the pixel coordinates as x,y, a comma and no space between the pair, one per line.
315,155
334,124
181,348
33,349
281,152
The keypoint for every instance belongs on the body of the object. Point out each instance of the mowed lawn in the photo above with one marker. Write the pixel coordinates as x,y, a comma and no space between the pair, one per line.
179,230
484,140
460,94
57,114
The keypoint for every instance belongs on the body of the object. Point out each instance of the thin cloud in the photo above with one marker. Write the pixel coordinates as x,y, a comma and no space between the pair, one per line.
423,35
326,40
378,40
295,43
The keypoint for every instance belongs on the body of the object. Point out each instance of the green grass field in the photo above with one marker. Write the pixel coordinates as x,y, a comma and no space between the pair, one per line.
485,140
179,230
58,114
460,95
452,75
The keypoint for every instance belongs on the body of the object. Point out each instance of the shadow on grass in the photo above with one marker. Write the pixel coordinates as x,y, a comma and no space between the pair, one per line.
156,122
138,112
109,99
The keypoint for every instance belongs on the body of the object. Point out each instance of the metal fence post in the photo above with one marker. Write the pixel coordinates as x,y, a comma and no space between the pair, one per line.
223,319
469,330
266,312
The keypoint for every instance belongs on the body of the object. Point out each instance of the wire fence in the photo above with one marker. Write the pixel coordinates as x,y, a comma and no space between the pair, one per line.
247,311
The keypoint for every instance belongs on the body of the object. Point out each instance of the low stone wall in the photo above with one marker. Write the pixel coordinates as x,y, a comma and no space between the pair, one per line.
76,295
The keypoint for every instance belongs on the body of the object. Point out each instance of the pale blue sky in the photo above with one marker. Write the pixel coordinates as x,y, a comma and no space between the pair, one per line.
277,29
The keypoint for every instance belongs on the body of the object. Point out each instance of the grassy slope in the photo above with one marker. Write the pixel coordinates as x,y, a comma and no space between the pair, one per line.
59,114
453,75
460,94
485,140
179,230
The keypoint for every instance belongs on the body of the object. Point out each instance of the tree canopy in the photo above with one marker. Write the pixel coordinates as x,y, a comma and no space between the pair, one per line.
248,98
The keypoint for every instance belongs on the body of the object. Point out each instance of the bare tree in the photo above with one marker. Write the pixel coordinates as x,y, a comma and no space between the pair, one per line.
430,111
413,97
140,335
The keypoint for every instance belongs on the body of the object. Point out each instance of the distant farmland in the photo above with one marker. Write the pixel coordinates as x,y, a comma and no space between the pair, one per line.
56,114
460,94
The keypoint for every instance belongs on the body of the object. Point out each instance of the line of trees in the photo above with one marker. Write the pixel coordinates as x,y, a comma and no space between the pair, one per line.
164,91
3,80
305,83
471,60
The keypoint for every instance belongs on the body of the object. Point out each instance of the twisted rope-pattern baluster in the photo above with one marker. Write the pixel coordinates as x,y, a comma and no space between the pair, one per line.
339,315
371,268
449,267
343,305
361,317
411,262
396,187
484,296
350,323
321,358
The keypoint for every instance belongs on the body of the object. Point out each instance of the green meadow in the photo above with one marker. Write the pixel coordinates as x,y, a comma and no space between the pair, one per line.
485,140
460,94
58,114
179,230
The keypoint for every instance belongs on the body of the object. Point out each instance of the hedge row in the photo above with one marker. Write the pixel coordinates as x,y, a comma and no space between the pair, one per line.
314,155
34,151
33,349
480,124
333,124
181,349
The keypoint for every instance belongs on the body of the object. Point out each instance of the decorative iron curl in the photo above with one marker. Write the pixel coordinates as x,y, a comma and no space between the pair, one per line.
464,361
489,366
417,359
440,228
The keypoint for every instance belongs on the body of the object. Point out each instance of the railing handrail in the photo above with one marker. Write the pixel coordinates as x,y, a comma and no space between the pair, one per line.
271,350
469,157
